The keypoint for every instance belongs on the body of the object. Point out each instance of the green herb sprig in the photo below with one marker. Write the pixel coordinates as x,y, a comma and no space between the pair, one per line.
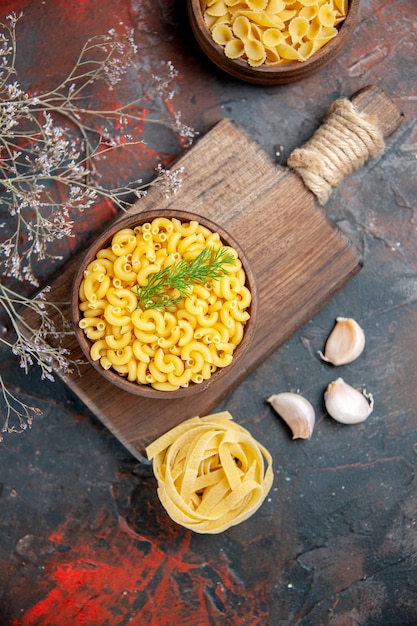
174,283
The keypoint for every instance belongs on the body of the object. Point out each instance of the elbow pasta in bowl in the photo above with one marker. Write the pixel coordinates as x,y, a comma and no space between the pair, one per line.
271,42
163,304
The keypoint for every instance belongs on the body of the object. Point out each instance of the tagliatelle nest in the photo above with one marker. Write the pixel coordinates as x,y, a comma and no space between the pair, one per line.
212,474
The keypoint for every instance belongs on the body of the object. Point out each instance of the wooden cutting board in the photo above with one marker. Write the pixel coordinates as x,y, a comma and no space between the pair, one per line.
299,258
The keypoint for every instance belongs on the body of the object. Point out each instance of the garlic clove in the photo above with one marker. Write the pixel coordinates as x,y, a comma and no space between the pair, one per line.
345,343
297,412
346,404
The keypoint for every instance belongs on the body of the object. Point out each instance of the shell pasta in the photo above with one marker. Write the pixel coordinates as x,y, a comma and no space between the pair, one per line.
273,32
168,347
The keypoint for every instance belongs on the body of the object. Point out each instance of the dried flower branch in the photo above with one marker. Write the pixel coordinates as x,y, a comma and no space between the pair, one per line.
32,335
23,412
31,345
42,160
51,145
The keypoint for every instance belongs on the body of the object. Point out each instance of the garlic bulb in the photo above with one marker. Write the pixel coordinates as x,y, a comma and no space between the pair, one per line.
346,404
296,411
345,343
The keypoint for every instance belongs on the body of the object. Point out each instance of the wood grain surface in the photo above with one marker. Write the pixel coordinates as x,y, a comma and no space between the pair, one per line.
298,256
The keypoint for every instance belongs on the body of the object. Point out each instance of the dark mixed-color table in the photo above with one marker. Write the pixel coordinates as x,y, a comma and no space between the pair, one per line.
83,537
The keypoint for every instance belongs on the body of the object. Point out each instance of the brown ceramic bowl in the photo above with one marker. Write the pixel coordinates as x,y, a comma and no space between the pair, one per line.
110,375
271,74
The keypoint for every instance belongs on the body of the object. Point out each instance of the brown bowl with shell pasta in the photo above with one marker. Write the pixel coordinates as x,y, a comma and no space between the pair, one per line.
272,42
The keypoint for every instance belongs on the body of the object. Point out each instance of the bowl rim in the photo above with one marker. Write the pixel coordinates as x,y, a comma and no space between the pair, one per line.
101,241
271,74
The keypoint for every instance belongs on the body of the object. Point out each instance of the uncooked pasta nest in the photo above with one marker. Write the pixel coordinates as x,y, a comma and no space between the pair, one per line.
273,32
211,473
177,344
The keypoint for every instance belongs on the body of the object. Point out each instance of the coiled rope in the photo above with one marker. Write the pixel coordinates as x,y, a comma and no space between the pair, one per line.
341,145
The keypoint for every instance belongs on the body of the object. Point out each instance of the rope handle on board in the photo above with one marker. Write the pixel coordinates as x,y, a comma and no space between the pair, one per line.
348,137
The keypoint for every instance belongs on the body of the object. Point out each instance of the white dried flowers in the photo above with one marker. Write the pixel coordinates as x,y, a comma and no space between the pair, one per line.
343,403
52,147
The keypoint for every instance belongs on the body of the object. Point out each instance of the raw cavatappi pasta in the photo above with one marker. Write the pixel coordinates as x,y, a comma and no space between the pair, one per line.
273,32
165,348
211,473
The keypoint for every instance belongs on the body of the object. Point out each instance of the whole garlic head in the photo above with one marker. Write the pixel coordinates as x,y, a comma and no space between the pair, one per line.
345,343
296,411
346,404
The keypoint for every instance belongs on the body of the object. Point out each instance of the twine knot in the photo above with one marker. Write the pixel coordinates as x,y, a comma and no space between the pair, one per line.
340,146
